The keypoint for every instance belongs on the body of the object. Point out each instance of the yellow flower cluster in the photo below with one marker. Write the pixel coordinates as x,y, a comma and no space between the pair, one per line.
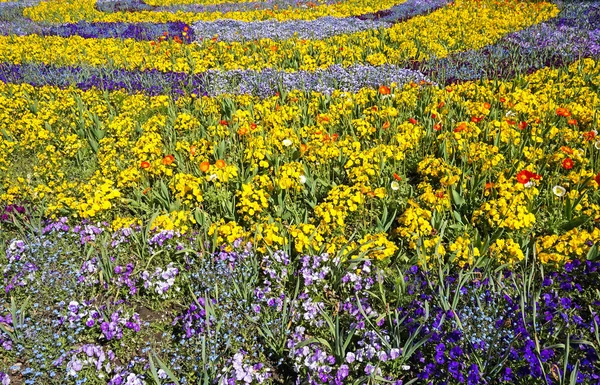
510,208
464,251
72,11
187,188
252,202
571,245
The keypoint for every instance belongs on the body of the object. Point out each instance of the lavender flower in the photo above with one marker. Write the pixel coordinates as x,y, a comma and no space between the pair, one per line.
236,30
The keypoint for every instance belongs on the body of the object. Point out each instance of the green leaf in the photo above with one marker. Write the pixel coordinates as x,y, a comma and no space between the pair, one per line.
575,223
458,199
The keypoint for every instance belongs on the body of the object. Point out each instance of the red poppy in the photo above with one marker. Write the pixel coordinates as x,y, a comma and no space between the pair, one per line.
413,120
223,123
524,176
476,119
145,165
568,163
433,116
597,179
522,125
397,177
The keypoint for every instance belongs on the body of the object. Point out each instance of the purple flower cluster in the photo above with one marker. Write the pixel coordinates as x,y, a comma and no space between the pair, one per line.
110,6
151,82
20,268
161,280
267,82
405,10
303,319
244,373
263,83
138,31
321,28
574,34
10,211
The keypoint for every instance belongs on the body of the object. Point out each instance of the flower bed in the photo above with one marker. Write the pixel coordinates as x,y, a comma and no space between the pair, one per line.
296,192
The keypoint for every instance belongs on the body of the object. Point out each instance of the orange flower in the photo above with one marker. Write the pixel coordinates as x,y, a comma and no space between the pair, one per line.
597,179
168,160
560,111
437,127
441,104
568,163
223,123
385,90
461,127
413,120
386,125
522,125
193,150
397,177
220,163
487,106
145,165
242,131
589,136
566,150
489,185
303,147
204,166
572,122
476,119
